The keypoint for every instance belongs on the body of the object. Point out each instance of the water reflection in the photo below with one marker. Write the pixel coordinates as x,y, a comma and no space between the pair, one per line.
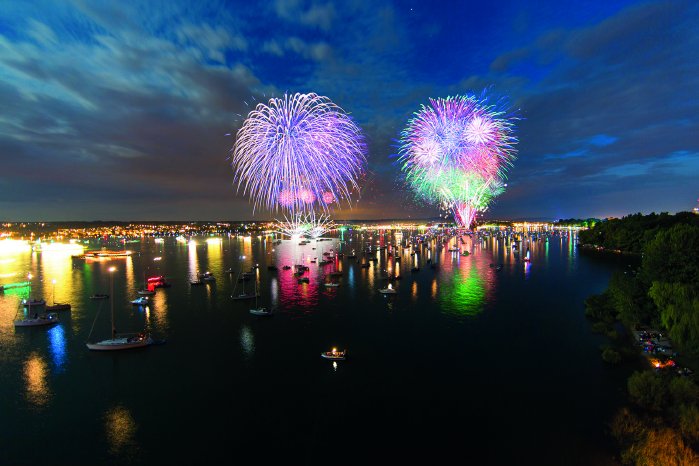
57,347
463,289
35,372
247,342
193,262
120,428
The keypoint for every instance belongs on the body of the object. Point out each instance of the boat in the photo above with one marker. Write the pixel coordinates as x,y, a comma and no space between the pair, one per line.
334,355
388,290
38,320
99,296
119,342
207,277
243,295
54,305
286,267
331,284
140,301
144,292
138,340
259,311
303,280
197,283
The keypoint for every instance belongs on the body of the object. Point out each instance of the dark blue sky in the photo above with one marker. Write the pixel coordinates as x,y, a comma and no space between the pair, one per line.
115,110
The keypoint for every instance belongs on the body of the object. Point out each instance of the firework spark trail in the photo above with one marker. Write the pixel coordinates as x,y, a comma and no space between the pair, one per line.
291,152
457,151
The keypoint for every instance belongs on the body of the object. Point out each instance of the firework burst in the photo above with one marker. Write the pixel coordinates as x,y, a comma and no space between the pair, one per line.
298,153
456,152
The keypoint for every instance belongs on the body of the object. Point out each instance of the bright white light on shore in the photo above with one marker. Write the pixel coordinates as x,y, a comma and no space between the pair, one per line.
14,246
62,248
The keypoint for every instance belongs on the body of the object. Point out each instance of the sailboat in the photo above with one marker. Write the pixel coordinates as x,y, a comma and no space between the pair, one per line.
243,295
145,291
119,342
54,305
259,311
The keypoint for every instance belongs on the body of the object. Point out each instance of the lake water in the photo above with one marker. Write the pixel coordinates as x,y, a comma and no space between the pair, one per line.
465,362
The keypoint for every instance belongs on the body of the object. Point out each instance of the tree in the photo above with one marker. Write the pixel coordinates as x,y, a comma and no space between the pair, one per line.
673,256
647,390
679,312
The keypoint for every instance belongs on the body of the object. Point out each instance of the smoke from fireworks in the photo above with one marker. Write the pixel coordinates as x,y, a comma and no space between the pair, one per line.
456,152
297,153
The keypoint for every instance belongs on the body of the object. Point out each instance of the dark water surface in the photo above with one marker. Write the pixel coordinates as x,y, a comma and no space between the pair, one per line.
464,363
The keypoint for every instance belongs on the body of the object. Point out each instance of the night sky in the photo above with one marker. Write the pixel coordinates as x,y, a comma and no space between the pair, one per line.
119,112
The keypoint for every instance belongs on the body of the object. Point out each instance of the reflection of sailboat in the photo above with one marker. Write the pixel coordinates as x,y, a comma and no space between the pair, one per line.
119,342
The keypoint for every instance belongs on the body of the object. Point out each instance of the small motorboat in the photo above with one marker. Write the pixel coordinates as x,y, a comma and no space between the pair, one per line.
388,290
331,284
334,355
286,267
99,296
37,320
140,301
207,277
145,292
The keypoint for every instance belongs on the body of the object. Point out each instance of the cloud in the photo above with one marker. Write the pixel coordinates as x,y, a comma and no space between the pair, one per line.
317,15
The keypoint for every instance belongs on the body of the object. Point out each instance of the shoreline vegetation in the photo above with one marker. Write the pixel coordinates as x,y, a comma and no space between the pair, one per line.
650,313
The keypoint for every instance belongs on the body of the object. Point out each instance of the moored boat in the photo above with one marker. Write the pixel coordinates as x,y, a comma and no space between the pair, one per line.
37,320
334,355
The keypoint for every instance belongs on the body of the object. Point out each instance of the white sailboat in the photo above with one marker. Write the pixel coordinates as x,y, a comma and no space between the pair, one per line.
259,311
119,342
243,295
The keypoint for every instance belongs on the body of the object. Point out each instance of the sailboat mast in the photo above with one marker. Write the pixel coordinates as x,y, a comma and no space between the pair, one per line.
111,298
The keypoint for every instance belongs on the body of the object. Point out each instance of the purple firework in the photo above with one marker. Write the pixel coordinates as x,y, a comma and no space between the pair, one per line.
294,150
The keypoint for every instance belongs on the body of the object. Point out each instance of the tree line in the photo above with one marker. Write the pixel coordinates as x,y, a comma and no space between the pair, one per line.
661,425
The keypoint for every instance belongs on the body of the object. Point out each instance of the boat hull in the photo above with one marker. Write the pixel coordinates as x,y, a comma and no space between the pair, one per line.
36,322
117,344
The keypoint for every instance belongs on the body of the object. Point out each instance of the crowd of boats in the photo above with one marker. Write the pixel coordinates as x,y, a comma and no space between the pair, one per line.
38,313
